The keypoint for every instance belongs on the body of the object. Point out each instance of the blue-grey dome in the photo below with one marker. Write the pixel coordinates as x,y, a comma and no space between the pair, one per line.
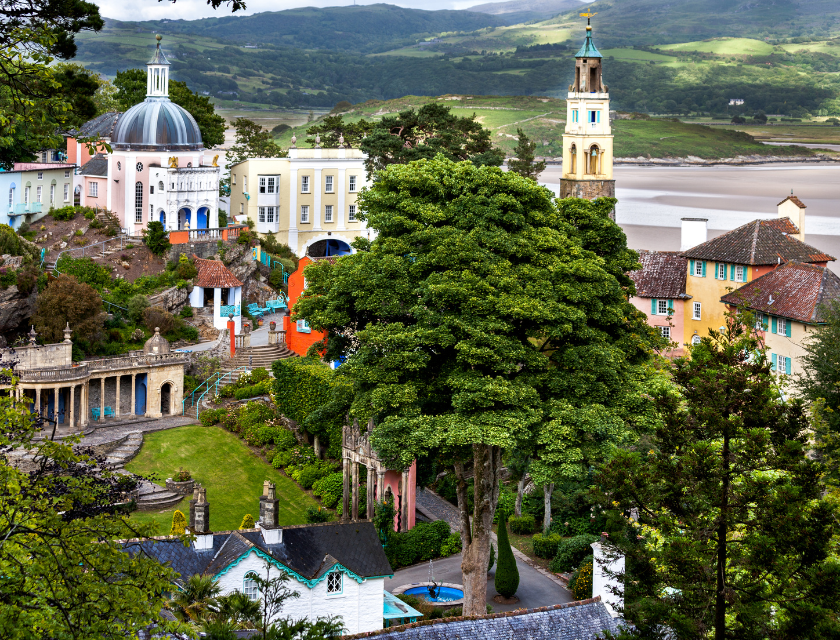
156,124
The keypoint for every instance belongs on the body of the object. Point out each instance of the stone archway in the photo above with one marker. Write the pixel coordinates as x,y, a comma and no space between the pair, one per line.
185,218
166,398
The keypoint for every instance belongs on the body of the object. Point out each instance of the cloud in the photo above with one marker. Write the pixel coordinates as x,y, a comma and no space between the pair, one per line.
193,9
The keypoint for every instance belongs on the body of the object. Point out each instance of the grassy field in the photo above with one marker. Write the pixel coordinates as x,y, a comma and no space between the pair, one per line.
724,47
636,55
810,133
221,462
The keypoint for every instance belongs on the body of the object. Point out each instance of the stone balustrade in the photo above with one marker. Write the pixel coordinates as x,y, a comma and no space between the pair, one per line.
54,374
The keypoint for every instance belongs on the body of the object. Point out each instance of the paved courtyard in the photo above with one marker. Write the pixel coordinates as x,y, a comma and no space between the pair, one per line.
535,590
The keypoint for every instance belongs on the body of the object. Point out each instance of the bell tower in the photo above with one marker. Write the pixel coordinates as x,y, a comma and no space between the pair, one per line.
588,139
157,74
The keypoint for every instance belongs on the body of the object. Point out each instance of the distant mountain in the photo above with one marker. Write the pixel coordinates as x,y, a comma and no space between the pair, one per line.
525,10
364,29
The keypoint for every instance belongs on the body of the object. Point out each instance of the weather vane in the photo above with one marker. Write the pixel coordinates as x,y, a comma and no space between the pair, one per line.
588,14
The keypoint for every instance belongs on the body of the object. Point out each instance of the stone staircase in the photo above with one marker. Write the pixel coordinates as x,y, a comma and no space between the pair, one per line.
126,451
153,497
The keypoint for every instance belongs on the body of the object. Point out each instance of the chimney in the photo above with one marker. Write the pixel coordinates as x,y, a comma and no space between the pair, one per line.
794,209
192,505
269,514
201,514
693,232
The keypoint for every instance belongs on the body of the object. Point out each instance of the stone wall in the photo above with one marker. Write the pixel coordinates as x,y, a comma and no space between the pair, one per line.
588,189
201,249
171,299
49,355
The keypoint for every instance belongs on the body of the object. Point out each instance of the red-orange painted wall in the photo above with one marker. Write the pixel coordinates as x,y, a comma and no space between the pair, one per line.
78,153
298,341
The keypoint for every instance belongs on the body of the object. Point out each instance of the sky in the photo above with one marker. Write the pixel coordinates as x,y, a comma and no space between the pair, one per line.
194,9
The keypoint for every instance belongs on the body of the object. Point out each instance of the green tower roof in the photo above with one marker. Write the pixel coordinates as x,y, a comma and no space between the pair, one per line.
588,49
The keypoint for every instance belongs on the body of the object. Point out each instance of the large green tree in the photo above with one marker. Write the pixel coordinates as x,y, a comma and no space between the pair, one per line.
478,301
425,133
730,536
332,128
131,90
525,163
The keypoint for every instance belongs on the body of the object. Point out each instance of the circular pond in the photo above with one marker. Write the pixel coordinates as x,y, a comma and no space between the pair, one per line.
445,595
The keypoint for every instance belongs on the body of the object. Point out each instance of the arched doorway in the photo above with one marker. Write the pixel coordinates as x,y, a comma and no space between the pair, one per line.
162,217
77,196
202,216
185,219
140,394
593,157
166,398
329,247
573,152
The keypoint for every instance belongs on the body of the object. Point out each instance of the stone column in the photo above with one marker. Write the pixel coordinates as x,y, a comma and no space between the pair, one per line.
117,405
83,404
55,404
133,391
38,399
371,475
345,504
380,485
404,502
355,490
72,406
102,398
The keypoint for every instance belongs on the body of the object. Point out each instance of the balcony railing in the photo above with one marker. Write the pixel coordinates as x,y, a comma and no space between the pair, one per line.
128,362
27,207
184,236
54,374
226,310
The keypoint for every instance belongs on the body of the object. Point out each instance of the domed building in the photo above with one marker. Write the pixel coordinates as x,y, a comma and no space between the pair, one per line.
158,169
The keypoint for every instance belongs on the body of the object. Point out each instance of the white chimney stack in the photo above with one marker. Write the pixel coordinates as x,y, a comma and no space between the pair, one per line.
794,209
693,232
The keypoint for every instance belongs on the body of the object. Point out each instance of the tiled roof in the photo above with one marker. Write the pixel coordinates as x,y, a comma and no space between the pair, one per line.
101,126
41,166
662,275
309,550
794,290
794,200
214,274
96,166
759,242
582,620
785,225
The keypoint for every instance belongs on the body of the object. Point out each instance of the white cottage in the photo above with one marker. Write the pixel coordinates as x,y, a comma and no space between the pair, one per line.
215,285
339,569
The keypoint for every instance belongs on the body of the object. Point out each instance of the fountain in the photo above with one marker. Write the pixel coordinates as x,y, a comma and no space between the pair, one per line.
434,592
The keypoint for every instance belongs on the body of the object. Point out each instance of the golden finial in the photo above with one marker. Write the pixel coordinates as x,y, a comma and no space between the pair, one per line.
159,37
215,160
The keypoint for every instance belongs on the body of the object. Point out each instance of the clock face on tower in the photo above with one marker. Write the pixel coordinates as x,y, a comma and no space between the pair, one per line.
139,166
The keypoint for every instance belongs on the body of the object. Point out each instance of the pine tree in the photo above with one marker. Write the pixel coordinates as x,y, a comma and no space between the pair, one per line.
524,163
247,522
179,524
492,558
507,575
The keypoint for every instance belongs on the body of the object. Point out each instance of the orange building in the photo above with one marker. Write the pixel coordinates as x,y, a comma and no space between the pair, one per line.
299,336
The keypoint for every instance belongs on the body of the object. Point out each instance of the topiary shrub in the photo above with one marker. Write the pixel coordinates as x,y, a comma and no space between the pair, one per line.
507,575
315,515
330,489
580,584
452,545
546,546
571,551
522,525
492,558
247,522
179,524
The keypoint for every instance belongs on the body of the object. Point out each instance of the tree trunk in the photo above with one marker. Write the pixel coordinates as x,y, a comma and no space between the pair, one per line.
487,465
547,491
520,490
723,527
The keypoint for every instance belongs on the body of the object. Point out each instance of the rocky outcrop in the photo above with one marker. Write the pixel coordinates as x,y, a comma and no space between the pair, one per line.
170,299
15,309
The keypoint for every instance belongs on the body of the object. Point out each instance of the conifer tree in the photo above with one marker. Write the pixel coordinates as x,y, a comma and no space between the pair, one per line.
524,163
247,522
507,575
179,524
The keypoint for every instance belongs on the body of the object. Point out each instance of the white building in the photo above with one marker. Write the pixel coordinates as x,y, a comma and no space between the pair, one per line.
216,286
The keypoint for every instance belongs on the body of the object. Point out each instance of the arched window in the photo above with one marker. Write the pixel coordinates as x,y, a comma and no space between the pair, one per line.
695,340
138,203
574,159
249,587
592,165
160,186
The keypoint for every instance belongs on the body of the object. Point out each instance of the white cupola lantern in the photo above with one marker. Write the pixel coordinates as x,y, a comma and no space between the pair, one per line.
157,74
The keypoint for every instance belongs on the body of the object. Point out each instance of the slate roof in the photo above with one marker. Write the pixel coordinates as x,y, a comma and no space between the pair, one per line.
214,274
582,620
794,200
759,242
309,550
96,166
101,126
662,275
794,290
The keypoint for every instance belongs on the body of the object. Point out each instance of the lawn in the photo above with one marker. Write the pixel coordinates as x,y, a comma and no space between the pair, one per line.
724,47
232,474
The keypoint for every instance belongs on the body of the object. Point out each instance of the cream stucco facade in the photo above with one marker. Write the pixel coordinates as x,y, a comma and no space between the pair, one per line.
308,197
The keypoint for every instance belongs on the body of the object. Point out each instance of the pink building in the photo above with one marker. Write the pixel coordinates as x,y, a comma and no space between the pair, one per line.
660,294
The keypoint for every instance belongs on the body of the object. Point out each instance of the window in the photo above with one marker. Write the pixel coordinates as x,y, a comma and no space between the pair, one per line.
695,340
665,332
26,195
269,214
161,187
11,197
244,184
740,273
233,178
696,315
66,192
241,208
328,209
261,214
138,202
782,327
40,175
304,213
304,184
594,117
52,194
721,271
351,214
303,326
352,184
698,268
662,307
575,115
760,322
93,189
151,189
262,184
67,174
38,191
249,587
328,184
334,582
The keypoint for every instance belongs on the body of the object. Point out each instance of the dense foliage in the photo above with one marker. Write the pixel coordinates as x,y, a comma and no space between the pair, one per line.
507,575
422,543
68,301
571,551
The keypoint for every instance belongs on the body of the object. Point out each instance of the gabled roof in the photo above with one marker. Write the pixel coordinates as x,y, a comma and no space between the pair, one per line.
581,620
794,200
662,275
101,126
213,274
759,242
96,166
794,290
308,550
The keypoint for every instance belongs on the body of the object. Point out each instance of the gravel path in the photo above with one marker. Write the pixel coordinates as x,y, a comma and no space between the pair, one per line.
108,434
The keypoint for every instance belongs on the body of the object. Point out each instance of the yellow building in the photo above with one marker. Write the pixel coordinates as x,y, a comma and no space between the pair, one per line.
307,200
588,139
718,266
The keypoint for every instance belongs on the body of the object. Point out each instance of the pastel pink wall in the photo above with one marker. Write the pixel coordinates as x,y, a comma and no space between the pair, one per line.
677,321
393,479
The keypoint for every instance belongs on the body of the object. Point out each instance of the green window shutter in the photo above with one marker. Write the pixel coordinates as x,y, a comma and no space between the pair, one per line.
704,269
773,325
653,306
731,271
787,328
691,267
787,365
773,361
670,305
716,270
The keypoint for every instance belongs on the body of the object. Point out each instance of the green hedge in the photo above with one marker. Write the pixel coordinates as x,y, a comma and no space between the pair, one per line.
330,489
424,542
571,551
546,546
522,525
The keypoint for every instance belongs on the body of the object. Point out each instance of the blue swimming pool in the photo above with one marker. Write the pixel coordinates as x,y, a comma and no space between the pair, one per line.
447,594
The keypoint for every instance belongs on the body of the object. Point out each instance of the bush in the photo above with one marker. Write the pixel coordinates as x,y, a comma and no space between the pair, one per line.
523,525
90,214
223,219
580,584
186,312
311,473
179,524
298,456
424,542
315,515
452,545
492,558
285,440
546,546
571,551
154,237
280,129
186,269
261,389
182,475
27,280
23,229
64,213
211,416
158,317
262,434
247,522
507,575
85,270
67,300
10,242
136,305
330,489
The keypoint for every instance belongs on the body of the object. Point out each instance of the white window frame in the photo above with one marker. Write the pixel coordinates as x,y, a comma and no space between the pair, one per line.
328,184
241,208
67,173
304,184
698,268
271,185
740,273
262,184
93,189
11,197
304,214
695,339
249,587
260,214
721,268
26,194
40,175
269,214
66,192
233,178
39,192
759,321
659,307
665,332
351,182
335,583
781,326
328,213
244,184
138,202
52,194
351,213
697,310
